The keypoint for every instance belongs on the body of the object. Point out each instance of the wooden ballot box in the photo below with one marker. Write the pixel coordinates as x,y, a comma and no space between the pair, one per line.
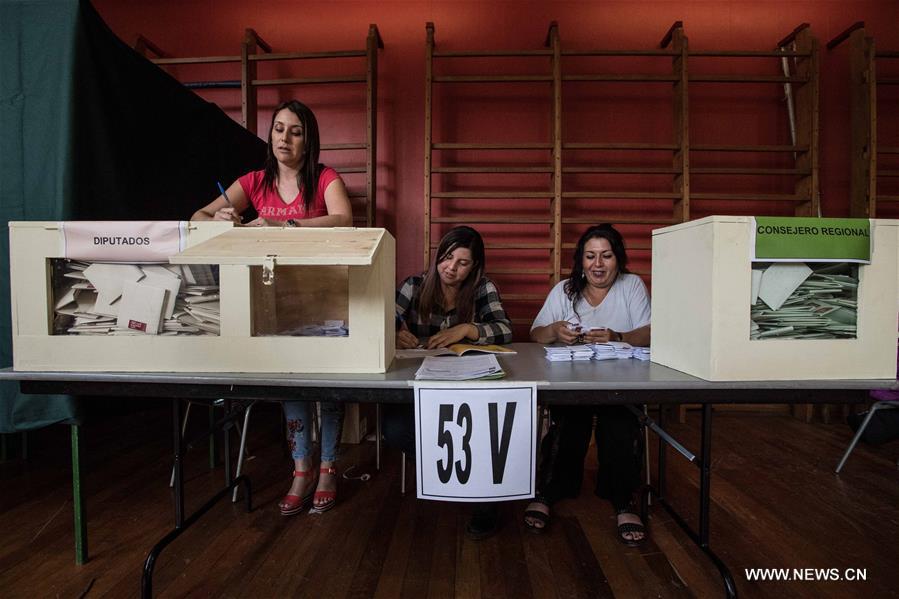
288,300
701,290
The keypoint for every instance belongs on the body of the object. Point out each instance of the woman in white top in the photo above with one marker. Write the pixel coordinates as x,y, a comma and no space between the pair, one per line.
601,302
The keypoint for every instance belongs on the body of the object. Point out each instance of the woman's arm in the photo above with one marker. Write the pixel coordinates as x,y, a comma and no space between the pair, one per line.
221,209
491,325
340,212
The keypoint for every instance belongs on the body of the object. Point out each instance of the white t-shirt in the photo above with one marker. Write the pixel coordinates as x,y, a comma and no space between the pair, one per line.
625,308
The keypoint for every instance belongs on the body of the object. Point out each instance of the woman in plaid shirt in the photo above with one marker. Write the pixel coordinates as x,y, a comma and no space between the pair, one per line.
452,302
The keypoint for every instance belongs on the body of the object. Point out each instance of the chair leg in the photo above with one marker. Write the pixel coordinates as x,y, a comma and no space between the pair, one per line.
403,474
243,447
378,437
858,434
183,431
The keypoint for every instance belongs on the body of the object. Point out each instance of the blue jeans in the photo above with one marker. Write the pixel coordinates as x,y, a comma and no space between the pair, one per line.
299,436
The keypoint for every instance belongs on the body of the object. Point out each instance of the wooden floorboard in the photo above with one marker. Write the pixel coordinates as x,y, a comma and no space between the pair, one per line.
776,503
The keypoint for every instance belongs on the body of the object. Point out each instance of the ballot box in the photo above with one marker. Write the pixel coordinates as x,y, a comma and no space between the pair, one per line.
723,313
215,298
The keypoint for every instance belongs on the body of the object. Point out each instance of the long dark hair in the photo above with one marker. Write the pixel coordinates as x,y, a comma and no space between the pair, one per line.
576,283
432,293
307,178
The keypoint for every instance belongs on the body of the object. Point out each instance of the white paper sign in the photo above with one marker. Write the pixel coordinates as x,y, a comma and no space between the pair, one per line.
475,441
123,241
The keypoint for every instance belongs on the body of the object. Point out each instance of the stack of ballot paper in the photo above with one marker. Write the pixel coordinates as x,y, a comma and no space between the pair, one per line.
613,350
463,368
792,301
641,353
568,353
330,328
131,299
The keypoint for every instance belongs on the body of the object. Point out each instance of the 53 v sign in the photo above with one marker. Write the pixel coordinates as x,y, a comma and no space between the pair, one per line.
475,441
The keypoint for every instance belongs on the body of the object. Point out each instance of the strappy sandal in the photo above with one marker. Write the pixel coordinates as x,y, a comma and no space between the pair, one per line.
329,497
630,528
536,516
294,504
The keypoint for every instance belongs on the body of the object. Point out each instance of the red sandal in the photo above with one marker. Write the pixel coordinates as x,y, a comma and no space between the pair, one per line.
329,497
294,504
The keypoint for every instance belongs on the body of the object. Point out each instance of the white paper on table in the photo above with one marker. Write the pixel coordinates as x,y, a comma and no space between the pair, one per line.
780,281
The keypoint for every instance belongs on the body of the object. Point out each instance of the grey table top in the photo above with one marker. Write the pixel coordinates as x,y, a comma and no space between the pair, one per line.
527,365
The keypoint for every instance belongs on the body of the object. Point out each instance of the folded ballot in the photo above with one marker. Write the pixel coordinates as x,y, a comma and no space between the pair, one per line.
141,308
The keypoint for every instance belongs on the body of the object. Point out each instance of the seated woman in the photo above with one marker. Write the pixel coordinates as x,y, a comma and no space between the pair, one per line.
452,302
601,302
295,190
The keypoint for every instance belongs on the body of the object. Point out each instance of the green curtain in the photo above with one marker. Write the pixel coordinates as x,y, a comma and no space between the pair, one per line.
36,88
91,130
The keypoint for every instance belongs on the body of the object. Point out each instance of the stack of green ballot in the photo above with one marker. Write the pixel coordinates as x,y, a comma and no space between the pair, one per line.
823,304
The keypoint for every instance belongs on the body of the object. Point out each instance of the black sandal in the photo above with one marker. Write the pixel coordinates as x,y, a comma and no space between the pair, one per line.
632,528
537,516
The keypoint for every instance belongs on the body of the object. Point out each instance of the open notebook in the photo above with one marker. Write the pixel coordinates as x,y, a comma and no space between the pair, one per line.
456,349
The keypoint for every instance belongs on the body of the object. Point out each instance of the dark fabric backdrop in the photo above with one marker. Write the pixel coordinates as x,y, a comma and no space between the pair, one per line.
90,130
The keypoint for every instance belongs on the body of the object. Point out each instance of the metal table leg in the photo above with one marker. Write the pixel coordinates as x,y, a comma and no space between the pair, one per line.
182,523
78,499
703,462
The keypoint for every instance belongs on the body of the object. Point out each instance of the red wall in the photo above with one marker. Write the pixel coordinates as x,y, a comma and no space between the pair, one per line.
640,113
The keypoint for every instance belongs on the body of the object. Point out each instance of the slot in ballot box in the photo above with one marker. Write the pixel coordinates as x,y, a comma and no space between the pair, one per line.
253,299
702,285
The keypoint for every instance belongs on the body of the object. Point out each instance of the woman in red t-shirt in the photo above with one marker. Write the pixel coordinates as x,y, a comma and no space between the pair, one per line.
294,190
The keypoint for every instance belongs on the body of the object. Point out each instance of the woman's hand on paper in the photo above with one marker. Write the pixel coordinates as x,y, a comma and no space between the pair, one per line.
565,333
451,335
597,335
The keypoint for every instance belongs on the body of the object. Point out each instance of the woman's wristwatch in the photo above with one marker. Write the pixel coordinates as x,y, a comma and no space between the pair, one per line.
291,223
619,336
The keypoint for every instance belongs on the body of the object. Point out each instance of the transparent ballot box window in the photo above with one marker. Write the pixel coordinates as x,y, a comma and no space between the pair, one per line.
117,299
300,301
798,300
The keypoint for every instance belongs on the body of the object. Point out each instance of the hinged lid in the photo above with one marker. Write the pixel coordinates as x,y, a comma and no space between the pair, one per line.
287,246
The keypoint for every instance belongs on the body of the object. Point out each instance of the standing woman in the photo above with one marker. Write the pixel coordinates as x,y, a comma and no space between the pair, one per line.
295,190
601,302
453,301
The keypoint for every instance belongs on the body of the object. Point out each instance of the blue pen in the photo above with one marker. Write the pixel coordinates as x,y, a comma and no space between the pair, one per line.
224,194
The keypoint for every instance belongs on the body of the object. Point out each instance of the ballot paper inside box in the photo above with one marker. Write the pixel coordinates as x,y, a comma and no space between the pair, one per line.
702,285
257,300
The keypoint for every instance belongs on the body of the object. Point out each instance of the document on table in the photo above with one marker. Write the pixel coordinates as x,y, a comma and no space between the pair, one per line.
482,366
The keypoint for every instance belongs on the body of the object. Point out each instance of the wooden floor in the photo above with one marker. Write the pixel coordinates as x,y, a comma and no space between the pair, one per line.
776,503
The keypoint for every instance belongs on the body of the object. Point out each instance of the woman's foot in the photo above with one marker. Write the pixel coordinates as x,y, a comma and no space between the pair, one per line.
300,492
631,531
536,516
326,492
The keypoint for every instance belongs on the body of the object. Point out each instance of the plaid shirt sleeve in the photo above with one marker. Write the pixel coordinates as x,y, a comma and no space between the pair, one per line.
404,296
491,321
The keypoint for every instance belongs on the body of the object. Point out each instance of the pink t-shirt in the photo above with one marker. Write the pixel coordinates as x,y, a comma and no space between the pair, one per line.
270,205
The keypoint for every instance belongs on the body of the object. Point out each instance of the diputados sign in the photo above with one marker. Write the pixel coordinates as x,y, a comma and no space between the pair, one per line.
122,241
475,441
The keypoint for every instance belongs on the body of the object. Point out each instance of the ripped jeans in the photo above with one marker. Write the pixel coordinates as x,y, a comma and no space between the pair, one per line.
299,434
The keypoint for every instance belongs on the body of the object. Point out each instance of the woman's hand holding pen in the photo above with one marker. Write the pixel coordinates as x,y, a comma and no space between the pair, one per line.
227,214
405,339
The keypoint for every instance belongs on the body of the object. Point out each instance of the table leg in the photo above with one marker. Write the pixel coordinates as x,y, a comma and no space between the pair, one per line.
703,462
78,499
182,523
